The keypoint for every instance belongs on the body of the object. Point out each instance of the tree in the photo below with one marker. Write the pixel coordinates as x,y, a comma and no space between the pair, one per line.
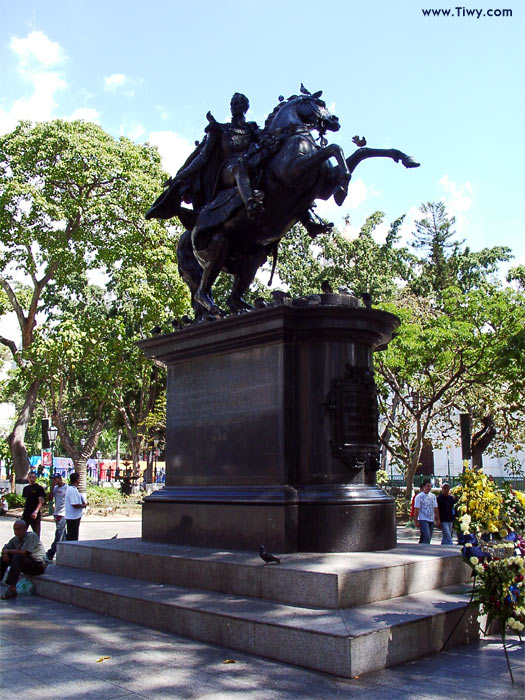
447,359
72,199
361,265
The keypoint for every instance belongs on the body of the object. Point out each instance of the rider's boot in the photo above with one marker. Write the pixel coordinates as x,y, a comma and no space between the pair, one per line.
254,204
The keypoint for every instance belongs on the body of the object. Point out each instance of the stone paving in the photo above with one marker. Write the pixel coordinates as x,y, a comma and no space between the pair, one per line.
53,651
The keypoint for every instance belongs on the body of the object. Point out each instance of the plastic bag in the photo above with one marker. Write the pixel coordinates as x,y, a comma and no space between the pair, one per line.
25,586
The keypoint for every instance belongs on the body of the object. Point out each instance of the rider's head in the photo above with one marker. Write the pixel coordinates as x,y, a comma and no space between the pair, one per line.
239,105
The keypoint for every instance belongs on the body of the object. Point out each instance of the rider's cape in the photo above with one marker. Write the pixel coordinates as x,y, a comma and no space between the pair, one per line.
197,189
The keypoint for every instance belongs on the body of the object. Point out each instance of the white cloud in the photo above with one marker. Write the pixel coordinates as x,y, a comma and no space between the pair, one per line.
357,193
407,227
36,54
37,107
88,114
458,200
114,81
37,48
173,149
133,132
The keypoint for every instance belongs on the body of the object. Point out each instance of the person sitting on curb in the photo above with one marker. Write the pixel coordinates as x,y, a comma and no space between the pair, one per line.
23,554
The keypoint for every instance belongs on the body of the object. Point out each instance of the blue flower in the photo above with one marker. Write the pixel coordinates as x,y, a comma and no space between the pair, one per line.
474,551
463,539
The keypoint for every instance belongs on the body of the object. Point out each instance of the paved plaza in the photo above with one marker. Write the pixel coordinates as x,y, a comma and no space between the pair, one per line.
51,651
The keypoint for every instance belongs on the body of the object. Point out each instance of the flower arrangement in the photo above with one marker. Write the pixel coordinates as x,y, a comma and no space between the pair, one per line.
480,500
514,508
490,526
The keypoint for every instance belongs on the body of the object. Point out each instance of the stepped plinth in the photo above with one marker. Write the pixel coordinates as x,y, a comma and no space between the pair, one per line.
345,614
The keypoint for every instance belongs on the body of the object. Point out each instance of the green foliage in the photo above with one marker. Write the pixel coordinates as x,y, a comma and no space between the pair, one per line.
100,497
15,500
72,200
381,477
361,265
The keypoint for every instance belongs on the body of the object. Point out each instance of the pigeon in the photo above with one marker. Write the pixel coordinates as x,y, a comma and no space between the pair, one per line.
367,300
266,556
359,141
326,287
279,297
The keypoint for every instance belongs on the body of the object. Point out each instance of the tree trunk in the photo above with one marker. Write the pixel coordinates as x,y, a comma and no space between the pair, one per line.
117,456
80,464
16,439
481,440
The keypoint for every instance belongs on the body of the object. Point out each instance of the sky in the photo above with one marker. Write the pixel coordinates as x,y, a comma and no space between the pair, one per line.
447,90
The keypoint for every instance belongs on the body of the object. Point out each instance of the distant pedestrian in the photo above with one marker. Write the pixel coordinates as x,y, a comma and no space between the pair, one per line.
426,512
75,504
446,513
35,497
4,506
23,554
58,493
413,508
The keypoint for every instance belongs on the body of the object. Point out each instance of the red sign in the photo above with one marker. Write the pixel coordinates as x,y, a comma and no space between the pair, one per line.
46,459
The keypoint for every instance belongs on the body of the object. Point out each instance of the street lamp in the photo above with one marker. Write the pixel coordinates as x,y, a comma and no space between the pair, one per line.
52,435
155,460
99,457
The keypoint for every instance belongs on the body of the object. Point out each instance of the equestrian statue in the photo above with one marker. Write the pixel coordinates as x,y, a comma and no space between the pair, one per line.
248,187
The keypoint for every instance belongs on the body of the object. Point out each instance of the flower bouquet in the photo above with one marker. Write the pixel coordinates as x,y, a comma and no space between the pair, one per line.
490,526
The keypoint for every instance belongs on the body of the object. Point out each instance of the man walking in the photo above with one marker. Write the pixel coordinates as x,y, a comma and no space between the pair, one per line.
75,503
425,512
58,492
35,496
23,554
446,513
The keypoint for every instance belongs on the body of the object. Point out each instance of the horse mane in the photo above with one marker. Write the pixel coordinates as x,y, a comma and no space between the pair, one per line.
277,109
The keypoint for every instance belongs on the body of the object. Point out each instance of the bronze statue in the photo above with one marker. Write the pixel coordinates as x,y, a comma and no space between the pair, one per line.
248,187
217,163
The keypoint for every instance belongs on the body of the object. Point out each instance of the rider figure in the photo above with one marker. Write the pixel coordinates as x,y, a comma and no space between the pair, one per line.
218,162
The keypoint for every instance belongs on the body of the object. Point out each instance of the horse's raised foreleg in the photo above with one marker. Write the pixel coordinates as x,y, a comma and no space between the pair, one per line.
363,153
305,163
308,161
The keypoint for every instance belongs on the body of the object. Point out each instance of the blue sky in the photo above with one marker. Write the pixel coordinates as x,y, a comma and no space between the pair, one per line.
447,90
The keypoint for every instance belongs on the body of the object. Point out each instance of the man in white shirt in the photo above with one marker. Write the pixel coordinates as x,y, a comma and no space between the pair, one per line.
58,492
75,503
425,512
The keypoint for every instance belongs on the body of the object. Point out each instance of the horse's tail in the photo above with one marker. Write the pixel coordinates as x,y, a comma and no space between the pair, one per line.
189,268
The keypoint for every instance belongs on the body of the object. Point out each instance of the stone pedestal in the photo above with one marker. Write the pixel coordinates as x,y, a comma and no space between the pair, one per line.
271,433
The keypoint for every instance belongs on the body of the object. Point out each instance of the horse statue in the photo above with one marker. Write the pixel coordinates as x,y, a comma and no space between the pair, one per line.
290,169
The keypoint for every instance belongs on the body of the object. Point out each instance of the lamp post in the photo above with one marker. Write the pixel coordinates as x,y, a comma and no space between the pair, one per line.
99,457
52,435
155,458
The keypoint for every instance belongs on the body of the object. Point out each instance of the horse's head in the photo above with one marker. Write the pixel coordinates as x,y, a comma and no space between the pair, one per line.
306,109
